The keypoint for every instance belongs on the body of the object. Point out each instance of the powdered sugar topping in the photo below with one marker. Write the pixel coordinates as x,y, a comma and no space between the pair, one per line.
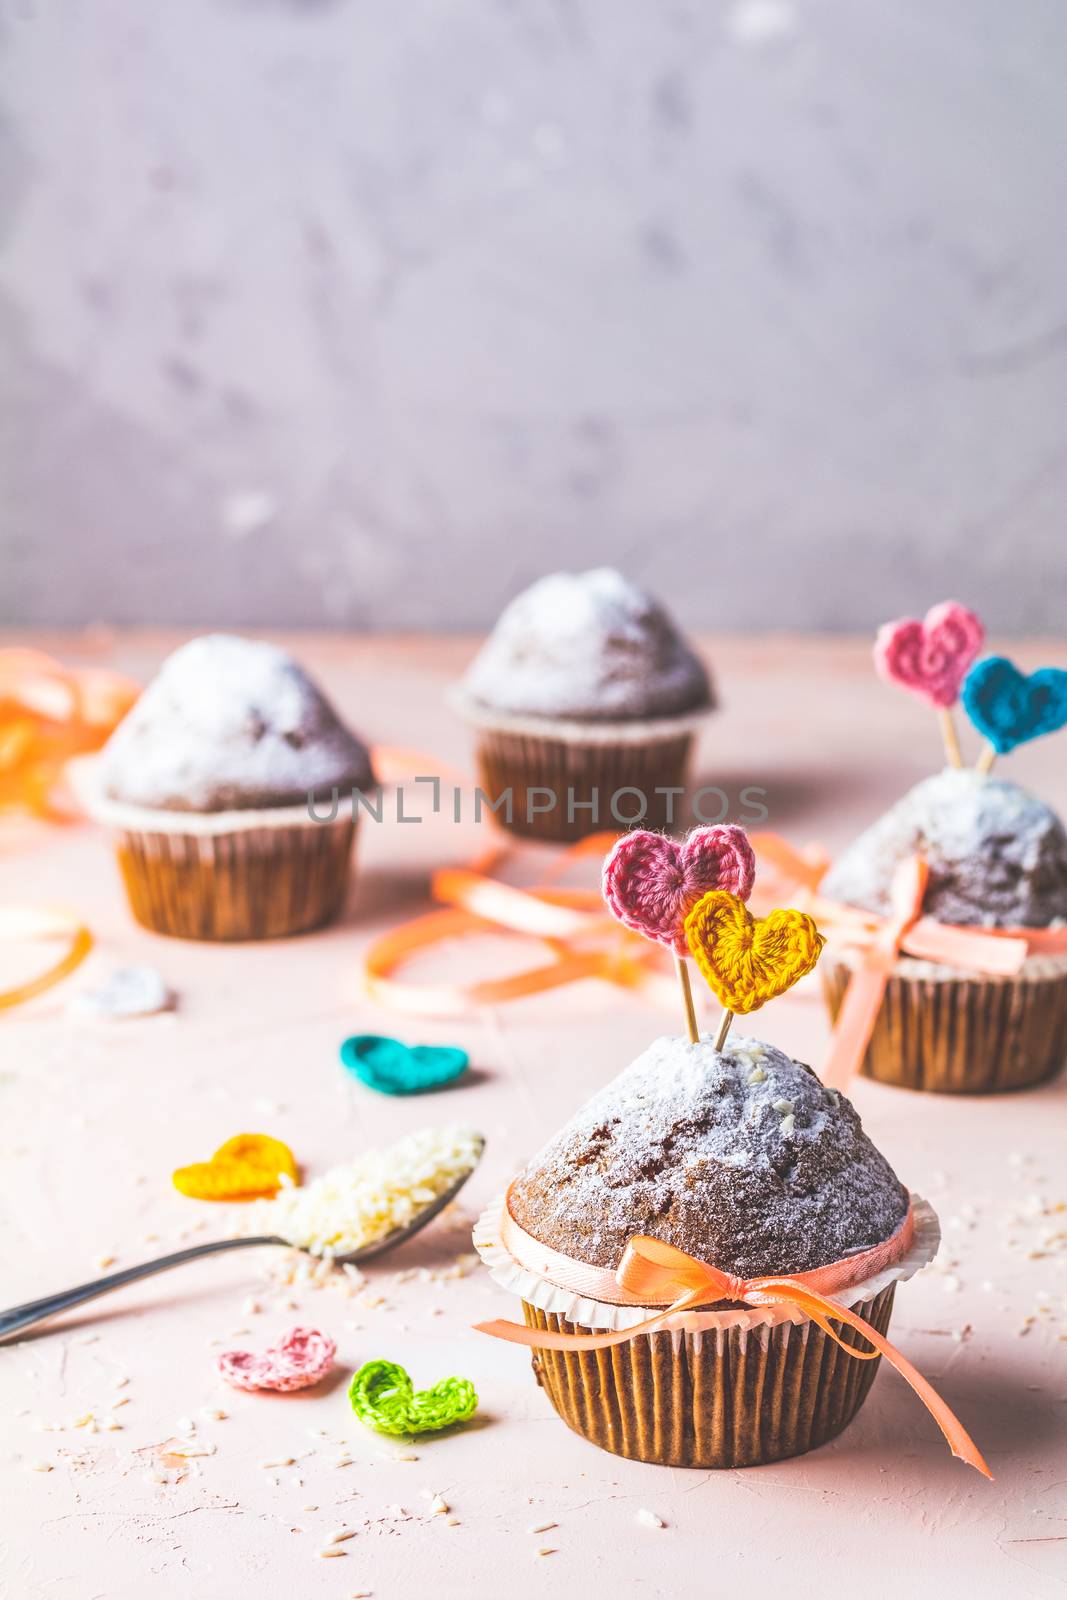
230,724
997,855
688,1145
588,645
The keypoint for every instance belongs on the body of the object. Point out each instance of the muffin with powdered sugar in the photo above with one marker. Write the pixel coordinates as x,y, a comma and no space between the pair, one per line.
996,855
708,1251
229,789
738,1156
585,687
995,858
589,646
741,1159
231,724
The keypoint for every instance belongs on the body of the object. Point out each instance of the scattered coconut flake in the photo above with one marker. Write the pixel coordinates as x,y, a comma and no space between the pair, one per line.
649,1519
542,1527
371,1197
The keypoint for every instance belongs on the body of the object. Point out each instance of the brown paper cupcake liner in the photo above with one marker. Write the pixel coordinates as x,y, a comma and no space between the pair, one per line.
720,1388
227,875
725,1397
962,1035
257,883
575,773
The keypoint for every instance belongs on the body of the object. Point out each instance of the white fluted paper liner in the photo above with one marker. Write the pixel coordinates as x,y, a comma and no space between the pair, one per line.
1035,969
572,730
83,775
538,1291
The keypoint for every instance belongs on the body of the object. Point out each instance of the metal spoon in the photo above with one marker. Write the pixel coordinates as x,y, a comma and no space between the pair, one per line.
25,1316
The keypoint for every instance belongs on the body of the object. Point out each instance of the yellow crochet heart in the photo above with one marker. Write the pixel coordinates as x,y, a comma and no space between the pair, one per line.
746,960
246,1167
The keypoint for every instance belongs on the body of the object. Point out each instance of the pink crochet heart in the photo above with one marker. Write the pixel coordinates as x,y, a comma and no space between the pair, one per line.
300,1358
651,883
930,658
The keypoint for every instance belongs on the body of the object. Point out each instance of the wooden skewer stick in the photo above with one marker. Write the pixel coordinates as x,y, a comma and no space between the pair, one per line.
986,759
681,966
948,735
724,1028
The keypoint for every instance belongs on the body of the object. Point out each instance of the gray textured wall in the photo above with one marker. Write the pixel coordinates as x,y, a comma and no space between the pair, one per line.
368,311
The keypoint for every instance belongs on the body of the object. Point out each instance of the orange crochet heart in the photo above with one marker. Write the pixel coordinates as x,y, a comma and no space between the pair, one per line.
747,960
247,1167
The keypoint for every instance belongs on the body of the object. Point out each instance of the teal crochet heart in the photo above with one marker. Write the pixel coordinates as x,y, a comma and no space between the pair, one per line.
1008,708
383,1396
392,1067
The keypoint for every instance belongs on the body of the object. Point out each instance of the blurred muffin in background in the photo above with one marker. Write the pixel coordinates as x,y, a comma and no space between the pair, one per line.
584,688
207,784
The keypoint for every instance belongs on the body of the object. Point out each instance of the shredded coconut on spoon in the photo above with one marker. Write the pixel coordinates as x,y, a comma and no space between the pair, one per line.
365,1200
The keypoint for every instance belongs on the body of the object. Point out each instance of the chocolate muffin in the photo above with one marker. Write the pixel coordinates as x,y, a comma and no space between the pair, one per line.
587,645
231,724
208,786
996,858
585,687
741,1158
744,1161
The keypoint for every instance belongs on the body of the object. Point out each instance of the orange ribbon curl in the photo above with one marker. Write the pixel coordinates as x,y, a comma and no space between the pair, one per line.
563,919
49,713
651,1272
17,925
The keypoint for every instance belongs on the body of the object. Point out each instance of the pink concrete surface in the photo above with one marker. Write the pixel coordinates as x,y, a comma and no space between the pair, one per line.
95,1115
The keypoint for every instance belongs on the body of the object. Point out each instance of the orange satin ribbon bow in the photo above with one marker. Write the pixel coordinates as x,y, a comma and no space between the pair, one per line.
652,1272
999,952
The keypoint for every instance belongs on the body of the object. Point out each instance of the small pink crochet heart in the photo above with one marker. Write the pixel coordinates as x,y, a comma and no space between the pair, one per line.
930,658
651,883
300,1358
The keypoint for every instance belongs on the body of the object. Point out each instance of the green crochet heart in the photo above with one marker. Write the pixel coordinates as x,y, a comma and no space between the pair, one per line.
383,1396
